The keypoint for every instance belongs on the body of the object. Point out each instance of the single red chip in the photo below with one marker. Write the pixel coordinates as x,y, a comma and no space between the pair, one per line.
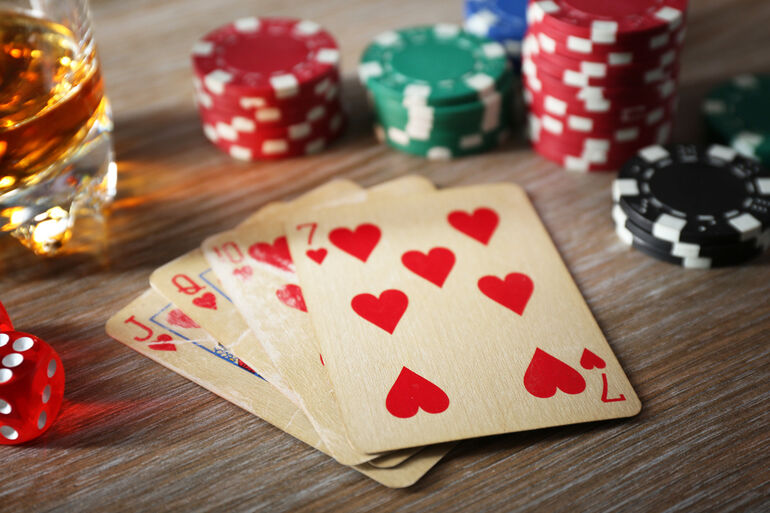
273,58
609,21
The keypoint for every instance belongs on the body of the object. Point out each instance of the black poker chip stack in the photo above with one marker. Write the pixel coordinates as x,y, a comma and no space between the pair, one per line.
697,207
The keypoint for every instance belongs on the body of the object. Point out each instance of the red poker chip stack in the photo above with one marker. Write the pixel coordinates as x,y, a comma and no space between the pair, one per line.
268,88
601,78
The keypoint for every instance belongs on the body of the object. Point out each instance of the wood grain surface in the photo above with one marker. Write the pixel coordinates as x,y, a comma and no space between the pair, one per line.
133,436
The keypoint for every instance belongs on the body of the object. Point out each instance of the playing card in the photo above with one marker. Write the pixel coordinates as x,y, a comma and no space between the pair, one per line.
271,303
189,282
451,315
187,351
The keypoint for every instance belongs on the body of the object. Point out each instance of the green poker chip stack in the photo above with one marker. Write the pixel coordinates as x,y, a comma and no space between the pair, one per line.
737,114
438,91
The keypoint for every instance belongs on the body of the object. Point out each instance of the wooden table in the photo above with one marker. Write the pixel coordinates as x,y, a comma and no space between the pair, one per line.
134,436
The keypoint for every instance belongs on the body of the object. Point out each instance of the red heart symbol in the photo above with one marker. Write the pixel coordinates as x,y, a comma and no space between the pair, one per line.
434,267
546,374
480,225
291,295
207,300
316,255
275,254
411,392
164,344
359,243
589,360
178,318
384,311
513,293
244,272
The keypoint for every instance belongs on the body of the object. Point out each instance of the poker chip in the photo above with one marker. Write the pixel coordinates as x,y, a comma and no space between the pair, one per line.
504,21
737,113
694,206
438,91
268,87
602,74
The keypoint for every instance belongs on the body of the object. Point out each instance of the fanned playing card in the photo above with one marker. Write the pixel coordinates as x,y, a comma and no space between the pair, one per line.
192,353
451,315
271,304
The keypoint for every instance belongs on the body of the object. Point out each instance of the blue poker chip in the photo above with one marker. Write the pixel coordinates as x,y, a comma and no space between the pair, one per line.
505,21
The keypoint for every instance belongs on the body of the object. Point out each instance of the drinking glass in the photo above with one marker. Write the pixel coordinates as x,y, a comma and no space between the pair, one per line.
57,170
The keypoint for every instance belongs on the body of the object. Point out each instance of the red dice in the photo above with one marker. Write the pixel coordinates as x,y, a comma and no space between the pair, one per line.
31,384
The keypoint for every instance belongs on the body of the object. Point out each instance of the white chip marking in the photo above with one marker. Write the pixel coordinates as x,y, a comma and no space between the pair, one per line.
604,32
4,339
439,153
242,124
366,70
763,186
625,236
252,102
417,92
203,48
299,131
246,24
577,164
668,227
226,132
579,44
240,153
653,153
627,134
22,344
493,51
328,56
685,250
388,38
620,58
580,124
275,146
285,86
398,136
480,23
747,225
5,407
552,125
307,27
5,375
46,394
9,433
315,146
446,30
13,360
210,132
696,263
746,81
594,69
471,141
216,80
659,41
51,368
555,106
481,82
624,187
266,115
42,419
721,152
574,78
655,116
547,44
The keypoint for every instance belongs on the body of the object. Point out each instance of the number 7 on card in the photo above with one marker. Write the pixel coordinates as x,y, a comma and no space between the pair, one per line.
451,315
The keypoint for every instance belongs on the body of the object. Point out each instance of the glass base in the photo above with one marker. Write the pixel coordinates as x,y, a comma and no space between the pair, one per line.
47,216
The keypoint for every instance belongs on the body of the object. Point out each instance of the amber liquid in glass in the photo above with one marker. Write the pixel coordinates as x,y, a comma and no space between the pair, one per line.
49,96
